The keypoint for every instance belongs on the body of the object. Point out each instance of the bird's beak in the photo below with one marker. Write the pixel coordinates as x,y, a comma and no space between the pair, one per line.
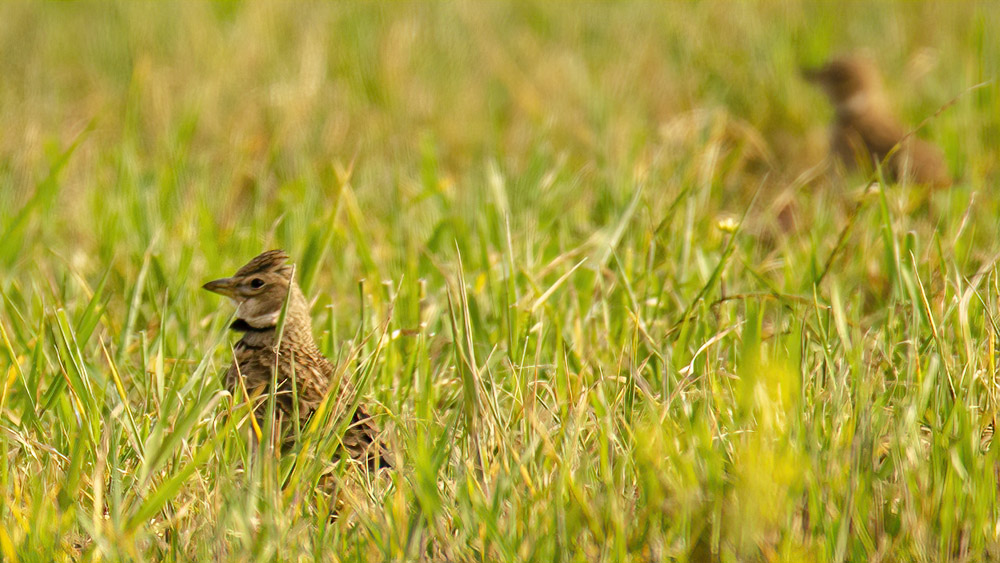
225,286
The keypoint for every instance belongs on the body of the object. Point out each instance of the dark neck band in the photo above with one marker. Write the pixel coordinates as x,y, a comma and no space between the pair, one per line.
239,325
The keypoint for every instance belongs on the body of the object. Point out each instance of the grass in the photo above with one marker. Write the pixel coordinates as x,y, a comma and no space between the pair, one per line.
583,260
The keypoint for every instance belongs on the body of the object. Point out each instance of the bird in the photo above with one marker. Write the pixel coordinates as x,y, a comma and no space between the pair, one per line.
260,289
867,129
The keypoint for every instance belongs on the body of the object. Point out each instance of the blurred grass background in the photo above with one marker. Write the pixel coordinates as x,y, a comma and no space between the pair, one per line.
578,363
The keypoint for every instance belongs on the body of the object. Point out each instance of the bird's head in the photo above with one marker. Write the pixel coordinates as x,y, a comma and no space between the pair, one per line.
259,290
848,81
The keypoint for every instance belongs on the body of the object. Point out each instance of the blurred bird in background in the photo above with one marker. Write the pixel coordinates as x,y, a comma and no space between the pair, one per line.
866,128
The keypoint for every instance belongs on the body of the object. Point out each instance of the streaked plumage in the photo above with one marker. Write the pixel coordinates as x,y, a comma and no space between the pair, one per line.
259,290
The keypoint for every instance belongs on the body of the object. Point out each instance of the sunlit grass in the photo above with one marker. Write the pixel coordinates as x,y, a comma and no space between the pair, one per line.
584,261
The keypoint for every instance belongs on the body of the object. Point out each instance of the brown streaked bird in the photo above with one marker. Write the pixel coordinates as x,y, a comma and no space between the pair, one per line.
866,128
259,290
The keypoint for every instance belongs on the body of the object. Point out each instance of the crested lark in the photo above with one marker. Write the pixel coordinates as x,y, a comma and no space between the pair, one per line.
259,290
867,129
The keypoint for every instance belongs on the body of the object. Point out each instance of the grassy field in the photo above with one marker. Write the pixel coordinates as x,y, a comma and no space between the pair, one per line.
586,261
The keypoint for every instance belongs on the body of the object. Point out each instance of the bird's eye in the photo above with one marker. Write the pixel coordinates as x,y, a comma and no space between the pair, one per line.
256,283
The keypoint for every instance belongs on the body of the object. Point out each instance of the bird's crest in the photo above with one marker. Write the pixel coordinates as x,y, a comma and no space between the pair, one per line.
270,261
